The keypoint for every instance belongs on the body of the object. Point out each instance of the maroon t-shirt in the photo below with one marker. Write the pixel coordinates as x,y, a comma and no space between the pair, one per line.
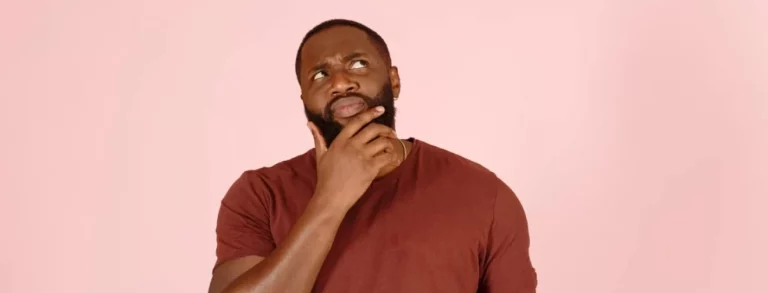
438,223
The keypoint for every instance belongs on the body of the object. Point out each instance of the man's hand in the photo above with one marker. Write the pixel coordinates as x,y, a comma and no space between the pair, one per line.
346,169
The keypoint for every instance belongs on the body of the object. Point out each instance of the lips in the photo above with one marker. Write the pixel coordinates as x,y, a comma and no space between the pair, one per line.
347,107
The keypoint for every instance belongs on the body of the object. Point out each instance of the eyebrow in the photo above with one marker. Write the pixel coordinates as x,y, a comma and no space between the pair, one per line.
324,64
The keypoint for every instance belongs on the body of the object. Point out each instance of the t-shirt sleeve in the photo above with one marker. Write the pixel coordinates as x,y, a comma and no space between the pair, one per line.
242,228
507,264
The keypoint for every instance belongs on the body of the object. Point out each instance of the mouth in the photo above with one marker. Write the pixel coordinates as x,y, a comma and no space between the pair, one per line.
347,107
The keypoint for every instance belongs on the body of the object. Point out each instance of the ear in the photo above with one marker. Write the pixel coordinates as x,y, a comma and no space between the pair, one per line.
394,79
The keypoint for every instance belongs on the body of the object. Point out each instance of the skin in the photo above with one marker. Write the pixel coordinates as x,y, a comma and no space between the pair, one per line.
335,61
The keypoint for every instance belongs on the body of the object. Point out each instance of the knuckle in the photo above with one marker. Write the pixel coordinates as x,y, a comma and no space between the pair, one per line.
369,166
387,130
347,148
375,128
358,152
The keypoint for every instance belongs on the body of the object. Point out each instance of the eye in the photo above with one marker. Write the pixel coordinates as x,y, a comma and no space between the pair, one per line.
318,75
359,64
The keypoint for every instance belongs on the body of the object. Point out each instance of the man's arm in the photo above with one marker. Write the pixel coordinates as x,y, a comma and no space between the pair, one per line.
228,271
293,266
344,172
507,265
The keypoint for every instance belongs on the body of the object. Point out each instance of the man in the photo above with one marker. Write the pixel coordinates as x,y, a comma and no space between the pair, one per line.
364,211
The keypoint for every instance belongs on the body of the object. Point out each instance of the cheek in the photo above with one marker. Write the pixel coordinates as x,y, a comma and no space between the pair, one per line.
370,88
372,83
314,101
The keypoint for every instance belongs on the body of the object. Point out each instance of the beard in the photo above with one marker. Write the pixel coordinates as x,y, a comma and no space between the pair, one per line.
330,129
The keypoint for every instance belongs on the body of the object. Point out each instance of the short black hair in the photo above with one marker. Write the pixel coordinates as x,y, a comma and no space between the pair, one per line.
374,37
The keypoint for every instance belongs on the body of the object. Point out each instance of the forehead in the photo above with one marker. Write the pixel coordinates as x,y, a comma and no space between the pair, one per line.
336,42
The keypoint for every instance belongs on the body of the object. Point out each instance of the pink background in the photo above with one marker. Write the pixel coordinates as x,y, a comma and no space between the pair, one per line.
635,132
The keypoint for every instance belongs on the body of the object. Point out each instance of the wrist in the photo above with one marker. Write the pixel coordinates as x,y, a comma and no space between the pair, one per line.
328,204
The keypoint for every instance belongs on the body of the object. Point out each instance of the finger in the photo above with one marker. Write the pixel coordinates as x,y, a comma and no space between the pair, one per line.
381,144
320,146
359,121
371,132
384,159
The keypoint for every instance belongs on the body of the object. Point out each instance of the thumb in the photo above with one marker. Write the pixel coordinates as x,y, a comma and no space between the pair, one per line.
320,146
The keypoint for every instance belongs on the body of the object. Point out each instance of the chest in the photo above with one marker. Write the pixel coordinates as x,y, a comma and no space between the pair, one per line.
402,239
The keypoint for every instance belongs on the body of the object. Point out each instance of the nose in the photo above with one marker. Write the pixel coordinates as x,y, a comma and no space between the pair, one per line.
342,84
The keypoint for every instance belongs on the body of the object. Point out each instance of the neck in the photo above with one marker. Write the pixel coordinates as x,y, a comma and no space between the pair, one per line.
401,154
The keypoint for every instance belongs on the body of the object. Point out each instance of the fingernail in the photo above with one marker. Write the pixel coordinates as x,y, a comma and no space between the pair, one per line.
379,109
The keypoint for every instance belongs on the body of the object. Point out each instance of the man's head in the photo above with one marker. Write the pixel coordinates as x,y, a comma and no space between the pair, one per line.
344,68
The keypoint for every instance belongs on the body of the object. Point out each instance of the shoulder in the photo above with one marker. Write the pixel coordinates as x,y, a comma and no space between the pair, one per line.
288,170
471,177
450,164
466,185
468,176
459,178
264,181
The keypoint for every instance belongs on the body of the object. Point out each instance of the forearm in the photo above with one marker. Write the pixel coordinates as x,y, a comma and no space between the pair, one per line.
295,264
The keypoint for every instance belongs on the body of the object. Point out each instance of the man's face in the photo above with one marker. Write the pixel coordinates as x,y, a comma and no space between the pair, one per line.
342,74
